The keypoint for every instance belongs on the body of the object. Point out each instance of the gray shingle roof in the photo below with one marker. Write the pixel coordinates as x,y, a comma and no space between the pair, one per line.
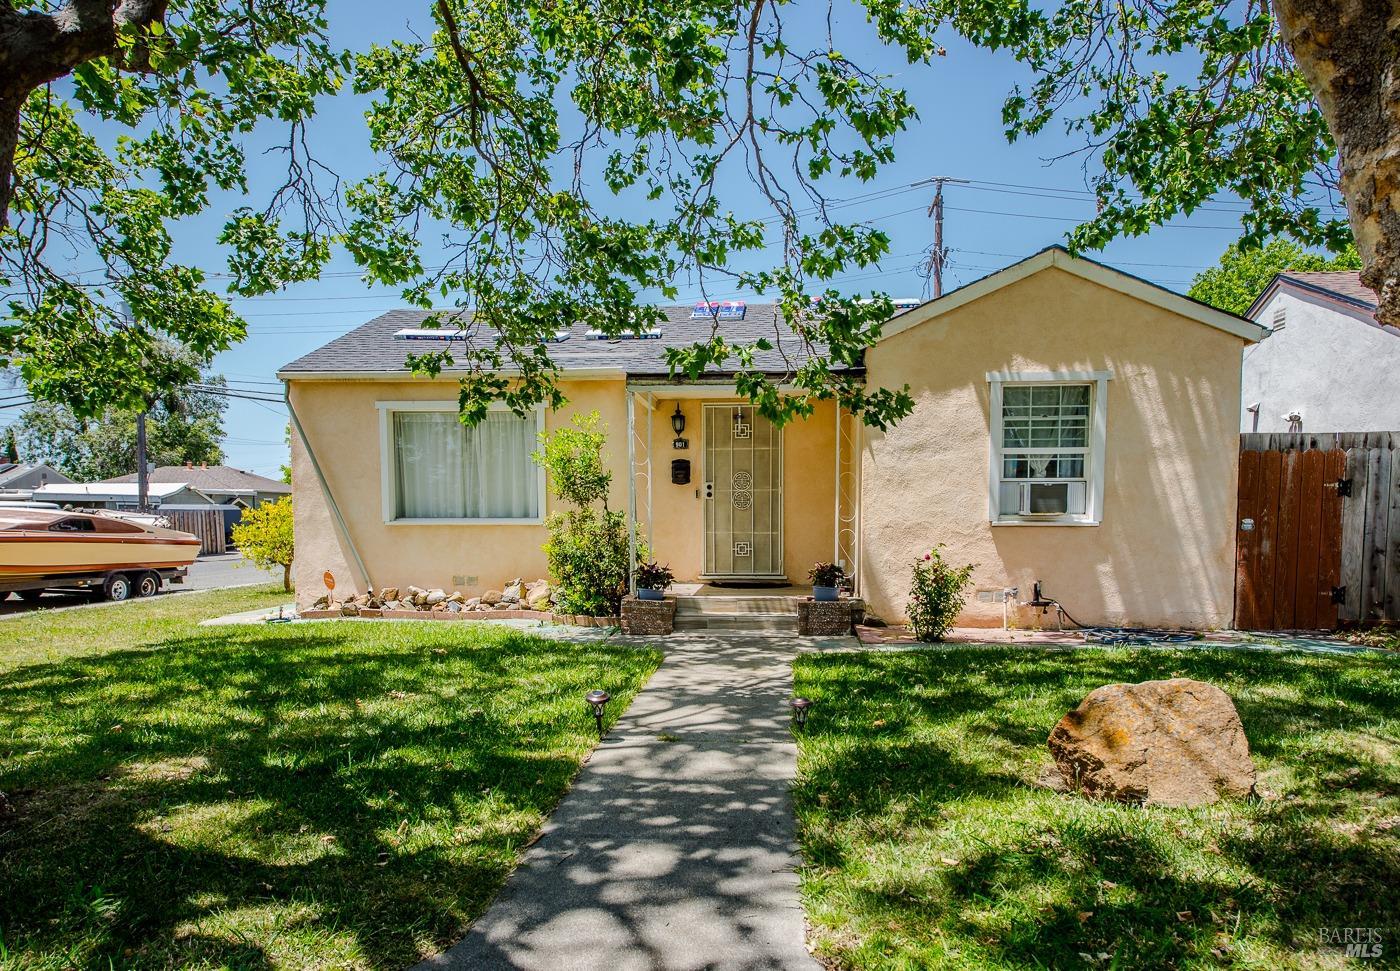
215,478
372,347
1345,284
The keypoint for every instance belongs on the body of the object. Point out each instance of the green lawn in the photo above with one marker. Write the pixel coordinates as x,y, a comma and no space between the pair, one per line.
52,635
317,795
928,845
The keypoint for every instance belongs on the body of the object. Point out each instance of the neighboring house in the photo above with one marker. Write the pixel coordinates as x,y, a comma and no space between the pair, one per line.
122,495
19,477
232,490
1326,364
1073,424
222,483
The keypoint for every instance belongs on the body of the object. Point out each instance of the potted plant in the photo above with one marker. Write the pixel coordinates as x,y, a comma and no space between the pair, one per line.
827,581
652,581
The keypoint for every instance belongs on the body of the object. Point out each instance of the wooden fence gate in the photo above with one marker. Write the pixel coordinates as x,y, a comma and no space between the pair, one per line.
207,524
1318,530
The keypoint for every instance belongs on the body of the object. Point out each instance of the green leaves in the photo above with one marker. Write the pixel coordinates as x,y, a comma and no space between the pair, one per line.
182,92
1176,103
1243,274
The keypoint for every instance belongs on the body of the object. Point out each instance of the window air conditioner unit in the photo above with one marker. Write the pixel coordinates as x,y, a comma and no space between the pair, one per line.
1045,499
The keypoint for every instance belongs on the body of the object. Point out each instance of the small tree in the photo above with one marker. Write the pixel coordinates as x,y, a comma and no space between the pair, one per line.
264,535
587,548
937,595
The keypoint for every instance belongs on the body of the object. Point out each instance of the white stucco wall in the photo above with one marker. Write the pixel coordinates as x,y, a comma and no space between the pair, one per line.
1338,368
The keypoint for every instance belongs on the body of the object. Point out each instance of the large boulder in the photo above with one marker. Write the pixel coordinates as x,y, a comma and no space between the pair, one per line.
1169,743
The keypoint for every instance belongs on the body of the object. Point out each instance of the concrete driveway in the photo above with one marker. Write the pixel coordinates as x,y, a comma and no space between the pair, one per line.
206,573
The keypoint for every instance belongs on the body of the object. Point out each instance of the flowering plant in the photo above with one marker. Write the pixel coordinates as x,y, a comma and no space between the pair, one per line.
654,576
937,595
827,575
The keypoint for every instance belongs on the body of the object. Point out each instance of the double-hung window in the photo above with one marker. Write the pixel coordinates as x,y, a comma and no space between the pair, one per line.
1047,447
438,470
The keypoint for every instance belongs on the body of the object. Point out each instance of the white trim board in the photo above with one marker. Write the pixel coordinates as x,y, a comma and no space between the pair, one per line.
1098,442
1106,276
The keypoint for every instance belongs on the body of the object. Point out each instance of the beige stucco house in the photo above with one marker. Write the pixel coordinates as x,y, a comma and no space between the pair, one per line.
1073,425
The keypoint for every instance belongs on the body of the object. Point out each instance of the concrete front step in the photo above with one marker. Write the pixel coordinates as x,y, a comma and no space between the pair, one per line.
736,621
728,606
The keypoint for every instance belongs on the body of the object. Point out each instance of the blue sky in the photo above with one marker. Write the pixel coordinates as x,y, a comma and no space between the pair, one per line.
1017,204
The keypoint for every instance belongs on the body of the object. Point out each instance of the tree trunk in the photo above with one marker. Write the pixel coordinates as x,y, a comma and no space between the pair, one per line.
287,577
1347,51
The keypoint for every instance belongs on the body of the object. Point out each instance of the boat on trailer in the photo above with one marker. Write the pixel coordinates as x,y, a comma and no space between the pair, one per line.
120,555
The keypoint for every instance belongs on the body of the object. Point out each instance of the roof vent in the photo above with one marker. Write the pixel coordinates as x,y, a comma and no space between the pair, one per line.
1280,318
594,334
427,334
560,336
905,303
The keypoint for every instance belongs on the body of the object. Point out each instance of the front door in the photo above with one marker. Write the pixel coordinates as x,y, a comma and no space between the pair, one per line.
743,494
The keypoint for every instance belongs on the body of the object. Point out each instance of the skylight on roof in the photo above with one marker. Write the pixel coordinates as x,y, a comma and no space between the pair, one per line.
719,309
426,334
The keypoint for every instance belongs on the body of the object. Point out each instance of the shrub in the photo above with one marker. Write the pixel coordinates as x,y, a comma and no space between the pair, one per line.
937,595
827,575
654,576
587,553
587,548
264,535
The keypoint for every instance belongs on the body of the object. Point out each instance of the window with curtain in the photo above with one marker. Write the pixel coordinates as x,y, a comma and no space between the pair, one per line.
446,470
1044,450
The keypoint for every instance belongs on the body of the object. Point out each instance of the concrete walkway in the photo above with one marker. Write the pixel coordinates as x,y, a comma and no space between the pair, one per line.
676,847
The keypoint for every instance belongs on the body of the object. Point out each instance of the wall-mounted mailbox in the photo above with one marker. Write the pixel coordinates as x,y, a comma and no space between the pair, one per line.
680,471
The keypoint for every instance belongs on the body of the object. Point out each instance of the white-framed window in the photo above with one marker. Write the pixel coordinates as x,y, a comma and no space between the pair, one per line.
1047,447
434,469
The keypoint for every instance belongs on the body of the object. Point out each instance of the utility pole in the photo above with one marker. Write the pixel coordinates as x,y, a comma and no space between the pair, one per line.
143,485
938,256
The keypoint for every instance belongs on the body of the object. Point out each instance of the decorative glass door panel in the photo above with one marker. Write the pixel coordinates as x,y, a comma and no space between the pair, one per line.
743,493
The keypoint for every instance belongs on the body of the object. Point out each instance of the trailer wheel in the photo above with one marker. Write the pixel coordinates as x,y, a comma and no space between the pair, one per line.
117,587
147,584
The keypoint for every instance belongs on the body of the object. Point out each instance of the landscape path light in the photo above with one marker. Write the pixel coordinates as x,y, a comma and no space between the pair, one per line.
800,707
598,700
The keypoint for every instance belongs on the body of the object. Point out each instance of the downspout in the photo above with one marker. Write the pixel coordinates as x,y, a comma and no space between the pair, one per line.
325,489
631,492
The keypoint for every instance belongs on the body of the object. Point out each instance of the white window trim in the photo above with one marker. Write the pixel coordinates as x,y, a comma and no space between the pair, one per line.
1098,435
388,497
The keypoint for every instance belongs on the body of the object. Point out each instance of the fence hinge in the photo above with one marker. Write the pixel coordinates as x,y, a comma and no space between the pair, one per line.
1339,595
1343,487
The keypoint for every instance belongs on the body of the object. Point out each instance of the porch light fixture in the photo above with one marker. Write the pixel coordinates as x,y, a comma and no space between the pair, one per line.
678,421
800,708
598,700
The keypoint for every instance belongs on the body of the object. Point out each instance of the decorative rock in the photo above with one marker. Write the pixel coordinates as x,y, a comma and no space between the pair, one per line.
473,602
537,595
454,606
1168,743
435,597
491,597
503,606
455,597
321,602
389,593
512,592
